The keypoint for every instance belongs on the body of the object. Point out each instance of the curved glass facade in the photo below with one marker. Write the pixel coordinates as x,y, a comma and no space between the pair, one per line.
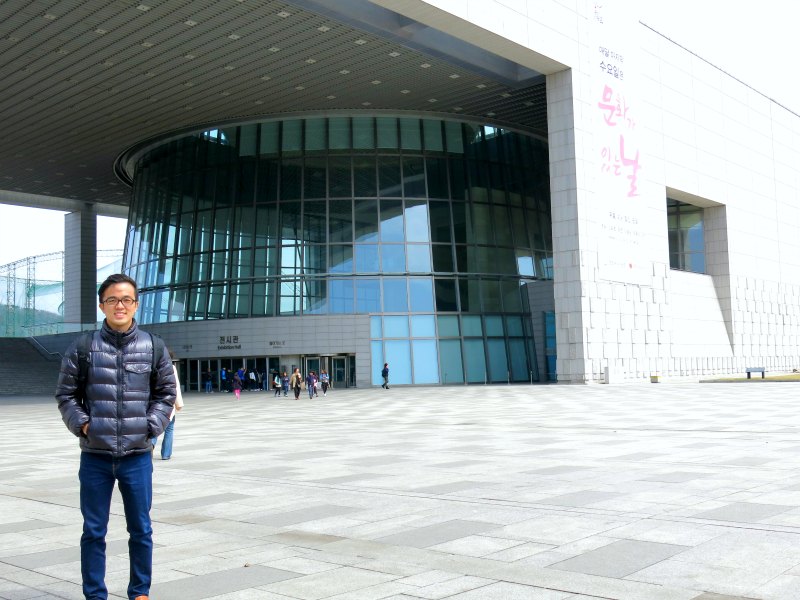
431,226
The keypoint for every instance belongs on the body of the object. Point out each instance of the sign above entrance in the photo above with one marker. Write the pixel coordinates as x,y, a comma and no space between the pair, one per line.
229,342
277,343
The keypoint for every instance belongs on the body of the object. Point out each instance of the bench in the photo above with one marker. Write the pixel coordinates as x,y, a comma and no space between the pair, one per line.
750,370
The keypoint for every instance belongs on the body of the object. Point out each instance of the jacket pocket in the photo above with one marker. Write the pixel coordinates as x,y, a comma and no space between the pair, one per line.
138,376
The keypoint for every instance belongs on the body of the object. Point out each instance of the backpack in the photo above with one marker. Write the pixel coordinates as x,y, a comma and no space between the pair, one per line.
85,345
385,373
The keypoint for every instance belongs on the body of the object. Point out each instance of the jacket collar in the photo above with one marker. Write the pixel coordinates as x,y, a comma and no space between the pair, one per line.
119,338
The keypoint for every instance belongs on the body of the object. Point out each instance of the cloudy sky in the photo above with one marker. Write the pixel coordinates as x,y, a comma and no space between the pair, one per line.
755,42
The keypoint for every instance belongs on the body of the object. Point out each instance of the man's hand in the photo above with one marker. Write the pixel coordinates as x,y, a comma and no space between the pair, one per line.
85,428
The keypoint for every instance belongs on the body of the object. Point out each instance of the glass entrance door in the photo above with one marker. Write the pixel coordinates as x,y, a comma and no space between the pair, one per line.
311,364
339,371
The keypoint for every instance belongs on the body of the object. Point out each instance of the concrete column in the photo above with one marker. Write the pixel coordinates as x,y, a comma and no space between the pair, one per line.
80,266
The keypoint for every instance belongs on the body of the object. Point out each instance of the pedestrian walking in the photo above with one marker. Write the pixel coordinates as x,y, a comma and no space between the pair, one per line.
324,379
385,375
296,382
237,385
285,384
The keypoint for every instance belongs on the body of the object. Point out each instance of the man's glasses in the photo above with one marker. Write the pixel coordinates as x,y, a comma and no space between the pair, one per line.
127,301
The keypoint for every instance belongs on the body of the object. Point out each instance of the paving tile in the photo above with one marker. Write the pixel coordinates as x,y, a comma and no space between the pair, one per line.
221,582
583,498
437,534
743,512
511,591
329,583
619,559
47,558
448,488
302,515
29,525
201,501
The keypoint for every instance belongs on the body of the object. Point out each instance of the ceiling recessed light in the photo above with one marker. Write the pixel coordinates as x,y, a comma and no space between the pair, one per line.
455,76
233,36
505,95
258,102
376,82
425,65
188,84
147,44
361,42
62,51
149,74
480,86
528,103
394,54
299,88
366,104
190,23
265,78
405,91
432,100
189,56
323,29
93,189
344,72
101,31
229,67
143,7
457,108
490,114
50,16
226,93
310,61
283,14
108,63
274,49
331,97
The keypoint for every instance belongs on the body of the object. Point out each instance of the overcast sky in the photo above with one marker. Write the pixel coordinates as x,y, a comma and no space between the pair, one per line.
755,42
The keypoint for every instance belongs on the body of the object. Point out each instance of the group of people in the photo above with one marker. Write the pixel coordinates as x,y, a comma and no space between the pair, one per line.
312,382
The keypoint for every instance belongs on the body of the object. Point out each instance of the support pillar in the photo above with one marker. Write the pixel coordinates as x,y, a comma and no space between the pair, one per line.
80,267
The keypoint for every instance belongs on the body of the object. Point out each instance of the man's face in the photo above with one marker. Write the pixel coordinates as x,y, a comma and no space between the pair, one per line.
119,316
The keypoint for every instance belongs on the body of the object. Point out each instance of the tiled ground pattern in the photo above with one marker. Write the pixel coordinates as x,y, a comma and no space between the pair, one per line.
656,492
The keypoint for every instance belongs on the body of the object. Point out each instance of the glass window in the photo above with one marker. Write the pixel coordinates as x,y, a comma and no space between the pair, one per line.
367,258
458,179
451,367
448,325
366,220
266,225
416,214
365,176
339,173
494,326
413,177
291,171
368,296
490,295
482,224
340,221
471,326
315,297
267,181
376,350
265,261
363,133
314,177
263,298
389,176
247,143
455,140
392,221
292,140
314,221
433,135
475,360
290,222
375,327
419,258
395,296
315,134
341,296
420,293
216,301
393,258
512,300
339,133
341,258
686,236
395,327
410,134
519,362
446,295
514,326
423,326
437,178
498,361
440,222
426,361
462,223
387,132
398,355
314,259
269,139
442,258
239,301
469,291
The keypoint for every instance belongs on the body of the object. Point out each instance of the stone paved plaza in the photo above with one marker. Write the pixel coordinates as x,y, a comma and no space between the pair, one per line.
646,492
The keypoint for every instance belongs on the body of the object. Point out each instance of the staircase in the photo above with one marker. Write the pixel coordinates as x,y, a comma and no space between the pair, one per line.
25,371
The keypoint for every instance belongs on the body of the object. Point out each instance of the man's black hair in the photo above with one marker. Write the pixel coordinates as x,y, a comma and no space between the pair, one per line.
117,278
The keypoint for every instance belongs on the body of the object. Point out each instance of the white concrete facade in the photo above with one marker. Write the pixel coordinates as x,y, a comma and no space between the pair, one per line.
706,139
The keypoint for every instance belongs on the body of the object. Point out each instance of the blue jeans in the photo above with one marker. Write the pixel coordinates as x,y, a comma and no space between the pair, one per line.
208,386
134,475
166,441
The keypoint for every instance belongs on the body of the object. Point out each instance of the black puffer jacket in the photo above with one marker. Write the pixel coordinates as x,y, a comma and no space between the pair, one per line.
122,408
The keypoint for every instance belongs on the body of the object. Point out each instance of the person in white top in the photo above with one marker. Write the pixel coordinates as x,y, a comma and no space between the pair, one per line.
166,442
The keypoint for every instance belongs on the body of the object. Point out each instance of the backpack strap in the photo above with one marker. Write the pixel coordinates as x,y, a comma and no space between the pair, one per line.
158,351
84,348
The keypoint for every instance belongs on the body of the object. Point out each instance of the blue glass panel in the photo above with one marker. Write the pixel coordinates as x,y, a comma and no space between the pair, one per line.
393,258
451,367
410,134
368,296
340,295
426,361
363,133
341,258
387,132
475,360
494,326
448,326
421,295
395,297
514,326
519,363
417,221
419,258
423,326
292,136
498,362
367,258
471,325
395,327
398,355
391,224
433,135
375,327
376,349
269,139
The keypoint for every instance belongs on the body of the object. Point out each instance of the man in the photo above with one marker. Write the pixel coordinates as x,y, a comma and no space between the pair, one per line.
116,392
385,375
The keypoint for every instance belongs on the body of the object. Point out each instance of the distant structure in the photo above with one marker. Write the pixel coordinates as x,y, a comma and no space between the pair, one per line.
33,302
